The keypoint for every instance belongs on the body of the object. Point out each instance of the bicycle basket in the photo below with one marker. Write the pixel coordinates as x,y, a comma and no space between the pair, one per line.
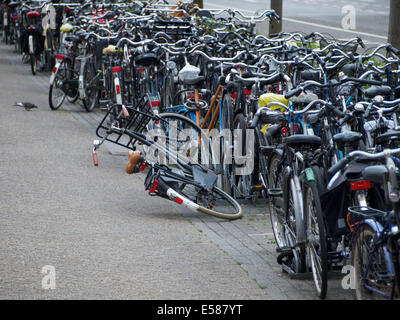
112,127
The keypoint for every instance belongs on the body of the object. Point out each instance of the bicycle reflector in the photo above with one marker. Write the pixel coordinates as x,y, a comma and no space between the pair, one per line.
178,200
142,167
154,186
116,69
360,185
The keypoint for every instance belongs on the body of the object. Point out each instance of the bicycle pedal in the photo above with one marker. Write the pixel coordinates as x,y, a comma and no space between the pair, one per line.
285,254
257,188
283,249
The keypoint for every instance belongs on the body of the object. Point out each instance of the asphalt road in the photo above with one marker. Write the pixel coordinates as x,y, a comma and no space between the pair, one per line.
325,16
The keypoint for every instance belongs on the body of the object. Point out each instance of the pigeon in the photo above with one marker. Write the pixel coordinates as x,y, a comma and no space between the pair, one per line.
27,105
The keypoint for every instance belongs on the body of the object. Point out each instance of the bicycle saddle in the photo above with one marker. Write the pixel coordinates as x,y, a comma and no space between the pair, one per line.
72,38
388,136
375,174
147,59
303,99
33,14
309,75
301,140
375,91
347,137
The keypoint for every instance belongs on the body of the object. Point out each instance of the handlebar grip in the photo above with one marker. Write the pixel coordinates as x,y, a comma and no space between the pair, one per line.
293,92
273,35
390,48
125,112
277,17
133,160
344,119
308,36
335,110
254,122
360,42
340,165
95,159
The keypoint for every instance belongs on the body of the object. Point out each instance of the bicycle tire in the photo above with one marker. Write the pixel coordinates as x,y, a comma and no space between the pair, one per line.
242,183
362,248
275,179
32,61
316,238
226,164
91,92
195,201
291,232
61,74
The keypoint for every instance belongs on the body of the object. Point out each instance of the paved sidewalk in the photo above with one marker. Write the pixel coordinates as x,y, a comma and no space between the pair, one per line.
105,236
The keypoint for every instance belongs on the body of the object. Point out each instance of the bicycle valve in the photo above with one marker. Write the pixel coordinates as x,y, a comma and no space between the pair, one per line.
133,160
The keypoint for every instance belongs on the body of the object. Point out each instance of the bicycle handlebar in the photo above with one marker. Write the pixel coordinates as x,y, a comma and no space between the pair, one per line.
363,155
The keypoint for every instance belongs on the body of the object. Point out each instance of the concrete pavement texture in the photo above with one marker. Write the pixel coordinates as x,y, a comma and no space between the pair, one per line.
105,237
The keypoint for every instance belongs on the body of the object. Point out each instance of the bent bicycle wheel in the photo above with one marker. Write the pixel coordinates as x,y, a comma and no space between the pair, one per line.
216,202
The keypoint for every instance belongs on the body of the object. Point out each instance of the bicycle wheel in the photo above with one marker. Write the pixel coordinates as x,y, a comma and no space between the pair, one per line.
292,212
169,92
275,172
33,63
225,144
316,238
89,82
260,164
56,94
370,266
214,202
182,136
242,183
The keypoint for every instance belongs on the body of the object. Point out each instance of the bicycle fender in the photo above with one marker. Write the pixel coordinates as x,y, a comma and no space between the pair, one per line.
180,199
82,93
30,43
373,224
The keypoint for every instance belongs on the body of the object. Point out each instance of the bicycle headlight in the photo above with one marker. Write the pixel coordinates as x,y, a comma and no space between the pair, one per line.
171,65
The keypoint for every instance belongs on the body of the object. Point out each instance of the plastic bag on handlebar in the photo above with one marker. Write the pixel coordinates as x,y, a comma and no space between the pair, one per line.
266,98
189,72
